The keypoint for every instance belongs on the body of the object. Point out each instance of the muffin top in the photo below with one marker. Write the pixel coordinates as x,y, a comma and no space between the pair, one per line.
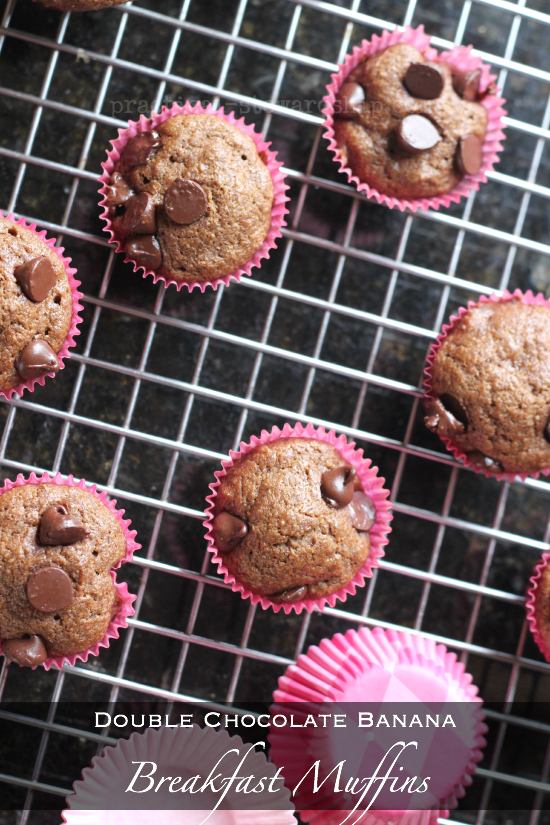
491,381
292,520
36,306
192,199
79,5
57,547
408,127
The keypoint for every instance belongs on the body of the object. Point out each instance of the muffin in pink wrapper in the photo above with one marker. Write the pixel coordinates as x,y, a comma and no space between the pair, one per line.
102,797
538,605
40,305
487,389
193,196
60,545
412,128
378,673
297,519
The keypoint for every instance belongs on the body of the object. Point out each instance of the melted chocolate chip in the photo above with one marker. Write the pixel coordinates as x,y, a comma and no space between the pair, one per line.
139,217
349,101
417,133
469,155
57,527
446,416
228,531
481,460
36,359
145,251
35,277
291,595
118,190
50,589
28,651
466,84
185,201
423,81
362,511
139,149
337,486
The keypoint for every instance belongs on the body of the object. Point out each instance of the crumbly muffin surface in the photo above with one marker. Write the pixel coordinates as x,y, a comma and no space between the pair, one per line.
87,562
238,191
80,5
294,539
368,141
495,363
23,320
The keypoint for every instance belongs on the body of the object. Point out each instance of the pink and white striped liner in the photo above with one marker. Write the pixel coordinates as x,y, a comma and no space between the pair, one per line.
532,604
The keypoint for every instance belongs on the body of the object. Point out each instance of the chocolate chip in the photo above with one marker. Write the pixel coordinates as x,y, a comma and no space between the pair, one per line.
423,81
228,531
144,250
481,460
446,416
118,190
185,201
466,84
417,133
35,277
362,511
469,155
50,589
28,651
58,527
349,101
337,486
139,217
139,149
292,595
36,359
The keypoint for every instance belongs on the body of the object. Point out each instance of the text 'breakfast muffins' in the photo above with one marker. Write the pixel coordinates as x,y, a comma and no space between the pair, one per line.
195,198
38,317
293,522
489,384
59,544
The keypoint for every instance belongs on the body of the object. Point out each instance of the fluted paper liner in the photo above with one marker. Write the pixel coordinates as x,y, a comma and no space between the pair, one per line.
535,603
126,598
278,211
191,748
339,669
373,486
458,452
77,307
460,57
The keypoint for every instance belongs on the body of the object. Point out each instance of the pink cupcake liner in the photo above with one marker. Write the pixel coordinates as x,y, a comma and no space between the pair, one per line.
126,598
459,56
525,298
531,604
77,307
279,209
373,486
377,666
191,749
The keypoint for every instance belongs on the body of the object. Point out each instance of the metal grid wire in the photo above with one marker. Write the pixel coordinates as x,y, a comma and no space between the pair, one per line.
334,329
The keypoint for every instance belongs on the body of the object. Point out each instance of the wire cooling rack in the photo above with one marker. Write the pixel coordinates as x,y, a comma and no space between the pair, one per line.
333,329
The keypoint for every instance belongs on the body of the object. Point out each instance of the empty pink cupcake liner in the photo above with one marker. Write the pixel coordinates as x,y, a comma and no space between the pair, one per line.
331,672
77,308
126,598
531,604
279,209
459,56
459,454
373,486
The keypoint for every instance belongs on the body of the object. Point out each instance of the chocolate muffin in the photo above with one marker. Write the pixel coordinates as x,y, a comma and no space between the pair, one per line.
541,608
408,127
36,306
79,5
491,385
57,547
292,521
190,200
